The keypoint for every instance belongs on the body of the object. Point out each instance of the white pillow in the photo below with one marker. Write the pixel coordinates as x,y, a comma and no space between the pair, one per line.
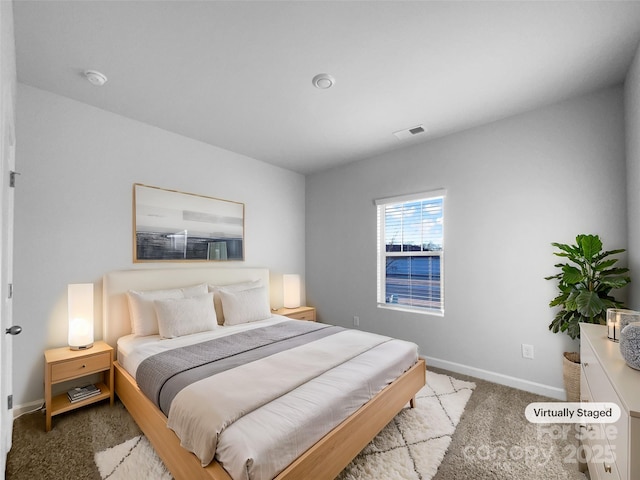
245,305
195,291
234,287
142,312
184,316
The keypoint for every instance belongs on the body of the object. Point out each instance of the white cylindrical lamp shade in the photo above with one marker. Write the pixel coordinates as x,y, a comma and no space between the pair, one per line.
291,290
80,305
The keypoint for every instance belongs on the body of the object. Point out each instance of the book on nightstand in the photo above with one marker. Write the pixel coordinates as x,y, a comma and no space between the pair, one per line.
81,393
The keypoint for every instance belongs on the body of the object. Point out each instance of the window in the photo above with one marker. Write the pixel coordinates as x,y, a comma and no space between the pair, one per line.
410,252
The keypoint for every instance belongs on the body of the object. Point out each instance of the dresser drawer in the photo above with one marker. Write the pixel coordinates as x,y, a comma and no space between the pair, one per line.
585,393
601,470
596,447
595,376
596,387
79,367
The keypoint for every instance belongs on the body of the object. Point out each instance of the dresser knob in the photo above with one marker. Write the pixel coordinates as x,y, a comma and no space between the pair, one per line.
84,366
607,468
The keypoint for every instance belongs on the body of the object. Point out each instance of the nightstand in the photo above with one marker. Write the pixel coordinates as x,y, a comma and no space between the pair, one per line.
64,364
300,313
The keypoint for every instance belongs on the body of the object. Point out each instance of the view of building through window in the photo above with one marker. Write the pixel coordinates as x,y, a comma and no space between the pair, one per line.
411,261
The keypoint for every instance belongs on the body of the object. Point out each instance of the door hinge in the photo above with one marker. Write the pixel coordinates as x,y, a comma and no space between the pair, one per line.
12,178
10,291
10,402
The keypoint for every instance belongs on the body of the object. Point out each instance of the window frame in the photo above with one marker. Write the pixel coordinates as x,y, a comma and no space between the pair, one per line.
382,253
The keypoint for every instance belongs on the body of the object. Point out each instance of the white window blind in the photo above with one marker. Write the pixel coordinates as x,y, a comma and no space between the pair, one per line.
411,252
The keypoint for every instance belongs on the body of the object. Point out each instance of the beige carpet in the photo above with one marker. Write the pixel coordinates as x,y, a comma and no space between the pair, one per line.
494,440
410,447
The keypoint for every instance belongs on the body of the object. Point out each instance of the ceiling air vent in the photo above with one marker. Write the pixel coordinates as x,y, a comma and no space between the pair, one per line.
409,132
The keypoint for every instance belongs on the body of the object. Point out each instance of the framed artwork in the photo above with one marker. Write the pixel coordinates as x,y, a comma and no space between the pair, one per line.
175,226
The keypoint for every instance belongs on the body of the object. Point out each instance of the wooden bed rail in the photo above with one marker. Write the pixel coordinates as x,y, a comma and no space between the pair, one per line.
324,460
181,463
327,458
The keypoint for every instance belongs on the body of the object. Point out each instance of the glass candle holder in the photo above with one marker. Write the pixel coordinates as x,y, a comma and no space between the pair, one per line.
617,319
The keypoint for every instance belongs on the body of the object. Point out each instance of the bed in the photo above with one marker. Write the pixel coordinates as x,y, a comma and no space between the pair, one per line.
322,456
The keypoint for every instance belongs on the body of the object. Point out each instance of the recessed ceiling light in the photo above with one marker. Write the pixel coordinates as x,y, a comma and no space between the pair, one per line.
323,81
95,78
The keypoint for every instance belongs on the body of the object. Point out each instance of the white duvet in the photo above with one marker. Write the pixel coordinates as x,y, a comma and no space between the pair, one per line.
259,423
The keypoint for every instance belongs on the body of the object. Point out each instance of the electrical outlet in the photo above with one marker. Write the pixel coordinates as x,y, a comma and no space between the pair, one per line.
527,351
356,321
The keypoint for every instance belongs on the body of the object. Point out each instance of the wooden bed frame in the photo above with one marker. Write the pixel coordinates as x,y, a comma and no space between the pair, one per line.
324,460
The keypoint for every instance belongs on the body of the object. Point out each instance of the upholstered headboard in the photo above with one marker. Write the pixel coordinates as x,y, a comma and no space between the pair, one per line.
115,285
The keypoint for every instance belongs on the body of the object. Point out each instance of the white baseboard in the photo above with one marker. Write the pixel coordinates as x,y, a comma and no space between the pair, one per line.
28,407
526,385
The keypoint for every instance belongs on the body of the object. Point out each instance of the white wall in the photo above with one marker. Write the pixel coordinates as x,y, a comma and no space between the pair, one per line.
74,210
632,111
514,186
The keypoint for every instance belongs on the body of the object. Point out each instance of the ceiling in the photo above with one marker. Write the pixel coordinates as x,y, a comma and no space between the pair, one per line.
238,74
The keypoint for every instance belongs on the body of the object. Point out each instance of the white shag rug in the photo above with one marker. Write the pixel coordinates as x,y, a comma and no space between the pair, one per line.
134,458
410,447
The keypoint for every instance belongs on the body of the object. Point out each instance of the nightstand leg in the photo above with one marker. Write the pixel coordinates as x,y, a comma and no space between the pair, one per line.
110,383
47,398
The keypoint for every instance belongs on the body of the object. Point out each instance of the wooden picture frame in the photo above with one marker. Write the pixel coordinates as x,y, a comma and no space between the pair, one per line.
169,225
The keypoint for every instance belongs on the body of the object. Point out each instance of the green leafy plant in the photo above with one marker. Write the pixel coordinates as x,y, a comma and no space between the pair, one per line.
585,283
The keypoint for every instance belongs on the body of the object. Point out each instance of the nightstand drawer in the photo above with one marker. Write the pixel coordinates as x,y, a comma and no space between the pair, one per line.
80,367
308,315
298,313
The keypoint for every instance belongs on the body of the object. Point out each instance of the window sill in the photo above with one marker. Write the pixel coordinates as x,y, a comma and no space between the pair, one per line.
404,308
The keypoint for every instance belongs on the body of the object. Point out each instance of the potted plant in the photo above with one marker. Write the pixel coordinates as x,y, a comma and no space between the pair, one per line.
584,283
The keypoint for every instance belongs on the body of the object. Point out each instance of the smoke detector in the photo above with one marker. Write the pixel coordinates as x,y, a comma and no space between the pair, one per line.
323,81
95,78
409,132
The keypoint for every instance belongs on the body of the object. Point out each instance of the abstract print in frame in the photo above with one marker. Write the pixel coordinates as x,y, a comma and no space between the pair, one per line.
176,226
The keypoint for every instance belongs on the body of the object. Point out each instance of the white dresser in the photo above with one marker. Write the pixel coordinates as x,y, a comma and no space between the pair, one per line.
612,451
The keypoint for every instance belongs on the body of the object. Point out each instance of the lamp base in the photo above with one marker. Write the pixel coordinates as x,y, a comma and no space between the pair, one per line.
81,347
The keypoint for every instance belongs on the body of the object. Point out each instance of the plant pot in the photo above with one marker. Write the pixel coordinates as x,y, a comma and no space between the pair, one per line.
571,375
